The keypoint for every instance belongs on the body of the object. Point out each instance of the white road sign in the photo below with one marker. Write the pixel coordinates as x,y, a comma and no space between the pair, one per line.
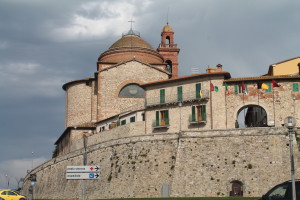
75,169
82,176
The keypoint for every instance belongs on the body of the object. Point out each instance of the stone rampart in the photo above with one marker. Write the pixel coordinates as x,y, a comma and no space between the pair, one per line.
191,163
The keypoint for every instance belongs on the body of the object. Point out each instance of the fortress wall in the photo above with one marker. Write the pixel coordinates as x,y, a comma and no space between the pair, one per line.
124,131
194,163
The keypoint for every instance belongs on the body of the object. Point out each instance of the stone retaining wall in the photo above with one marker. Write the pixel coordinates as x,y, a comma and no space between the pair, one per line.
192,163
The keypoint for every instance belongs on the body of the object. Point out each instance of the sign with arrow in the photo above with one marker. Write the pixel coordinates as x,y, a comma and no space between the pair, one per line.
83,172
88,176
94,168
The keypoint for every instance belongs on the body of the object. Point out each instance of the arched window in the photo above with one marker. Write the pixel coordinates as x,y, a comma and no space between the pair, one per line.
132,90
168,40
169,66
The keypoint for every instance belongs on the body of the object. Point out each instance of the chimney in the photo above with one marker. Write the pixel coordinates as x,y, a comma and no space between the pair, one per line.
219,67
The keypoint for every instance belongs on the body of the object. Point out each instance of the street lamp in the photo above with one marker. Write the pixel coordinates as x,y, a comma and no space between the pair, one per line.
290,123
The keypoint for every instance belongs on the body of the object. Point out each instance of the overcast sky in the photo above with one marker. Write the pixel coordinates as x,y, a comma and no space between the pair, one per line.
46,43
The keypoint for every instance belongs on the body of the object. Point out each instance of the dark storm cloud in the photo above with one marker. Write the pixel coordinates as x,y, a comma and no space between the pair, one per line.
44,44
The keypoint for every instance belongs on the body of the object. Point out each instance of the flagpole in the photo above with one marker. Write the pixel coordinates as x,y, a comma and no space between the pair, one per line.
273,103
225,106
211,118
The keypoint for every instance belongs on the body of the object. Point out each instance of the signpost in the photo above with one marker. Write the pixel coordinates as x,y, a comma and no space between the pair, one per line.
83,172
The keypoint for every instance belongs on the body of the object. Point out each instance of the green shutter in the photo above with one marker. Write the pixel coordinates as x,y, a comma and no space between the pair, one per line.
179,93
166,117
198,88
132,119
162,96
270,87
193,113
157,118
236,89
204,112
123,122
295,87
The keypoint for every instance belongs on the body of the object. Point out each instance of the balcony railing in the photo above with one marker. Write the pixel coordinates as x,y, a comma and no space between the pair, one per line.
173,98
167,46
160,124
194,120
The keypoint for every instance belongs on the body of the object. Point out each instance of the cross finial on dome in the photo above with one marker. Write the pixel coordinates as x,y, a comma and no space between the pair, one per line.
131,23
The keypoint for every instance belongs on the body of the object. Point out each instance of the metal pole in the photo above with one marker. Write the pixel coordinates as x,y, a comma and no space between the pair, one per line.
292,163
84,163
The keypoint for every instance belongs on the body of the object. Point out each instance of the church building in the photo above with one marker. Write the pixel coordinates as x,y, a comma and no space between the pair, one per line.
157,134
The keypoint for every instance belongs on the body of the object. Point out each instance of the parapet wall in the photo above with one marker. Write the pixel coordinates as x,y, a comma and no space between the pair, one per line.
191,163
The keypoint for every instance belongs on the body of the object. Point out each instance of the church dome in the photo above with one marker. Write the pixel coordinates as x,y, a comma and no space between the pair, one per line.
131,41
167,28
130,46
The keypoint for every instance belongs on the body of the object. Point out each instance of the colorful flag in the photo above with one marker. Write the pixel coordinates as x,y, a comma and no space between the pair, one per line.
243,87
275,84
264,86
212,88
216,88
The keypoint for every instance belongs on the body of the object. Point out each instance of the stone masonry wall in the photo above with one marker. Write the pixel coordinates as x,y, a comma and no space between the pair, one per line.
193,163
79,98
278,104
114,79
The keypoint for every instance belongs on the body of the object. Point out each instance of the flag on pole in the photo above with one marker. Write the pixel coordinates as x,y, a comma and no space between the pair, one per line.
244,88
264,86
275,84
216,88
226,86
212,88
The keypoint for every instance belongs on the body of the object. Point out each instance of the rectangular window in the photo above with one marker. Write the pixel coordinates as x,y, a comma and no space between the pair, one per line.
270,87
162,96
132,119
123,122
162,118
198,113
295,87
179,93
238,89
198,89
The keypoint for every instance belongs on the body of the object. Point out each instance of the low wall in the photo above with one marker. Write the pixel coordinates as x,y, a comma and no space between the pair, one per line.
190,163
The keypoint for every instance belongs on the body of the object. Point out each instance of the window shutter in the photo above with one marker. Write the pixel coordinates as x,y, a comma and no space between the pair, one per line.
123,122
270,87
167,117
236,89
204,112
295,87
179,93
162,96
198,88
157,118
193,113
132,119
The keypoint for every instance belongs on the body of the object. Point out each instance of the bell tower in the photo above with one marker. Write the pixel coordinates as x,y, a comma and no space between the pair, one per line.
169,50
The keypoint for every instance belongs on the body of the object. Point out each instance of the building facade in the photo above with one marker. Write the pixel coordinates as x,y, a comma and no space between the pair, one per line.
198,135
